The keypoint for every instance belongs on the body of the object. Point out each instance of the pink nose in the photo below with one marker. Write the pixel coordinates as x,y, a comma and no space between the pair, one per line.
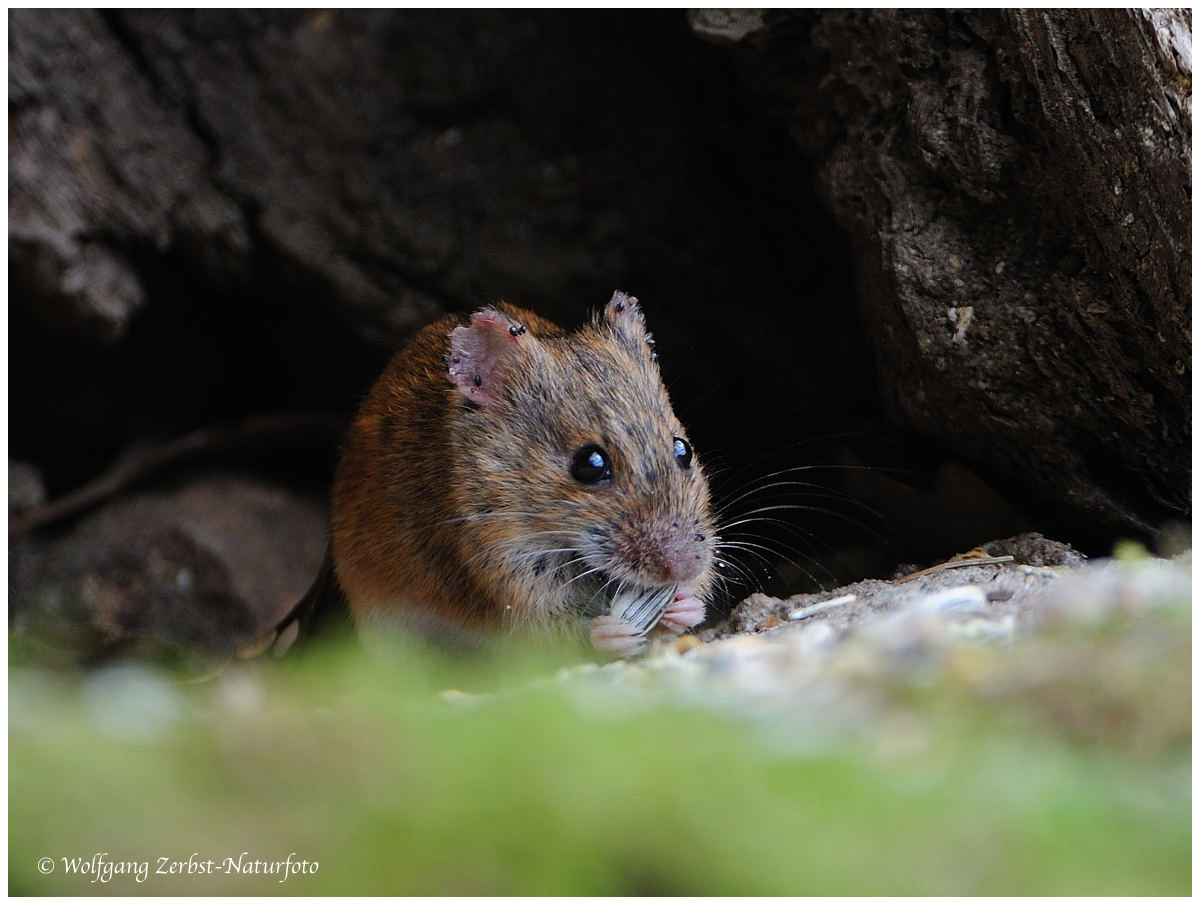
680,570
678,558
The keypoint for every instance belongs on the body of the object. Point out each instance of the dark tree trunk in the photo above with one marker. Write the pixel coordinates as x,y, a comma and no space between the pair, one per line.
1017,189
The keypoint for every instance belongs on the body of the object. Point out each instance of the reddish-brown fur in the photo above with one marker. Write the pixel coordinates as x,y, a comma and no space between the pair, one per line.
447,513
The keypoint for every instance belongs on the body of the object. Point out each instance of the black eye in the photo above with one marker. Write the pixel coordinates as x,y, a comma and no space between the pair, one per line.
591,465
683,453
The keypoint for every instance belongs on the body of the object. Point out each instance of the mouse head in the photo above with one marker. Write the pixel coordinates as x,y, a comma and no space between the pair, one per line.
572,455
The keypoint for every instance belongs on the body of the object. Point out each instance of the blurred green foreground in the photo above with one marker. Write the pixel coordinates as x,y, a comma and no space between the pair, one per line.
516,784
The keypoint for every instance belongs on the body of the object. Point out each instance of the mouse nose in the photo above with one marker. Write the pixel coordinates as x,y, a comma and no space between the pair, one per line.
681,570
677,555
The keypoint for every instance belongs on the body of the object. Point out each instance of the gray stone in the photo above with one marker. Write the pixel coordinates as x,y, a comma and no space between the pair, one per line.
206,567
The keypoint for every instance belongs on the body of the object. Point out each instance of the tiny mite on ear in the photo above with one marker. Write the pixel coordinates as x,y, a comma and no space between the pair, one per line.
478,381
516,330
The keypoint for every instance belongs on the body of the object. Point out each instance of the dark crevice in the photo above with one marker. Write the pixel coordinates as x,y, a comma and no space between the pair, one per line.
137,56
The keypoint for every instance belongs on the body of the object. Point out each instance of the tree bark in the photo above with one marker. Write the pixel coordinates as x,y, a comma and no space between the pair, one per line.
1016,186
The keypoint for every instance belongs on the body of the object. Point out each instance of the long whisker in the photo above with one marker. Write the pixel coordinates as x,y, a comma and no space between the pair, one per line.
479,516
573,561
507,546
753,488
838,515
808,553
750,547
740,545
743,576
800,489
599,591
750,574
620,589
783,545
591,571
800,444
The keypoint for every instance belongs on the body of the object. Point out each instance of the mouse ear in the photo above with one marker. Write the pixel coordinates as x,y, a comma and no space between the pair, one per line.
623,314
482,353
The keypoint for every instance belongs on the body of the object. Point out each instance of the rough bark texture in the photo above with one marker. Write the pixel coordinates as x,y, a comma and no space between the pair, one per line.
1016,186
394,165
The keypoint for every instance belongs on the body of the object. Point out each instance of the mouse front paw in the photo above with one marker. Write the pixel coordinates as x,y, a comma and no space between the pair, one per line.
616,636
683,612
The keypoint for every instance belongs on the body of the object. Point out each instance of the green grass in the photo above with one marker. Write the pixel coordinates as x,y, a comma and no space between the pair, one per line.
540,788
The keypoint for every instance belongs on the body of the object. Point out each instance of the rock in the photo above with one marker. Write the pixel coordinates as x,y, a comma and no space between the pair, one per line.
1095,652
205,567
1034,550
998,590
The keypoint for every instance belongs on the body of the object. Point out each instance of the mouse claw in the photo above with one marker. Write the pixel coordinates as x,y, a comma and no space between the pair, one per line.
684,611
616,636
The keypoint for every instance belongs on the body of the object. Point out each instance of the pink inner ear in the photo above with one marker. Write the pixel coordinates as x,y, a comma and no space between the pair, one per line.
479,353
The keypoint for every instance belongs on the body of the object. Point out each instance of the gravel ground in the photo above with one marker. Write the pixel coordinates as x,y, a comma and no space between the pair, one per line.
1097,649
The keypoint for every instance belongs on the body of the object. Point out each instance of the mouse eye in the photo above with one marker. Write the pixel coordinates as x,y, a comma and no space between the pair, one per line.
591,465
683,453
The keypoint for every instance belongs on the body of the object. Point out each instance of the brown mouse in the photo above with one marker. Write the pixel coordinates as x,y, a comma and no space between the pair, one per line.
506,475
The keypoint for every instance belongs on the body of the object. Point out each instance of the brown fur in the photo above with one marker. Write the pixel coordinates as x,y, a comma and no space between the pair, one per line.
443,509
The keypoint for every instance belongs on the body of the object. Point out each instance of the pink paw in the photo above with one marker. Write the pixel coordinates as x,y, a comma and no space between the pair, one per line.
683,612
616,636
